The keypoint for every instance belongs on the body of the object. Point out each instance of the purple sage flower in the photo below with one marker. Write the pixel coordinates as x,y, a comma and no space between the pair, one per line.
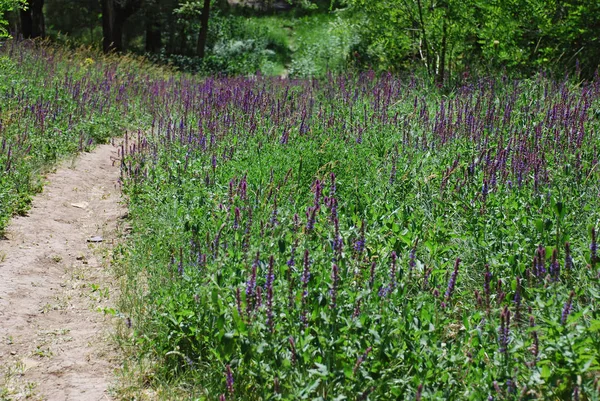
504,330
359,244
361,359
555,266
419,392
229,379
412,258
452,281
311,215
236,218
567,308
568,257
251,286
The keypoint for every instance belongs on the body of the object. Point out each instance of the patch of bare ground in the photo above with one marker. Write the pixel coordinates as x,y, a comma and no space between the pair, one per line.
55,282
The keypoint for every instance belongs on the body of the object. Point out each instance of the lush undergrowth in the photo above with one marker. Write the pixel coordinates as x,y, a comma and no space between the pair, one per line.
54,103
275,45
364,237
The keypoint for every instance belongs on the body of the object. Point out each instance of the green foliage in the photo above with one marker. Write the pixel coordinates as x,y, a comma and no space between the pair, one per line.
6,6
74,21
321,43
449,37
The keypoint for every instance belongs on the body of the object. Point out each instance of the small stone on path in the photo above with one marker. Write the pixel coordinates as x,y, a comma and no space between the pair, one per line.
95,239
80,205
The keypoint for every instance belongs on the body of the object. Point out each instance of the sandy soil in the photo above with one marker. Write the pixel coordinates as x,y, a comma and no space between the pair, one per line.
54,284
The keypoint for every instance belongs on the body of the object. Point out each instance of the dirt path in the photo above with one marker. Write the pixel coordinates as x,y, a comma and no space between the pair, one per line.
53,282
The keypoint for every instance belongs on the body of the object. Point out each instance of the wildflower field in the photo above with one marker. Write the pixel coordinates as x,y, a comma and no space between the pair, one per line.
54,103
361,236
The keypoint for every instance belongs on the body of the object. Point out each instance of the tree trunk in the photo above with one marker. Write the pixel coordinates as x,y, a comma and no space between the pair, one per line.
108,22
26,23
114,15
38,26
153,37
203,35
32,20
171,43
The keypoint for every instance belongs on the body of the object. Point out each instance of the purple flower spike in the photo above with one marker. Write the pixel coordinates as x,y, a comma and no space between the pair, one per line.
361,359
555,266
535,346
576,393
238,301
236,219
412,256
517,297
372,275
243,189
419,393
292,349
311,215
504,330
452,282
229,379
318,190
338,242
567,308
568,257
251,286
540,261
359,245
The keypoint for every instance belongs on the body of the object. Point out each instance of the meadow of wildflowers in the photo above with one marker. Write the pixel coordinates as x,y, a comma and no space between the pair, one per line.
53,103
363,236
368,237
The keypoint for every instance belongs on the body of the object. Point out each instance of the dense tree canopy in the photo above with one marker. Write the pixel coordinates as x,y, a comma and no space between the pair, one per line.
454,35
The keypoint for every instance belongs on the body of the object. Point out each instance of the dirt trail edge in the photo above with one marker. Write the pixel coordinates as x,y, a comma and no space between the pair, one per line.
54,283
